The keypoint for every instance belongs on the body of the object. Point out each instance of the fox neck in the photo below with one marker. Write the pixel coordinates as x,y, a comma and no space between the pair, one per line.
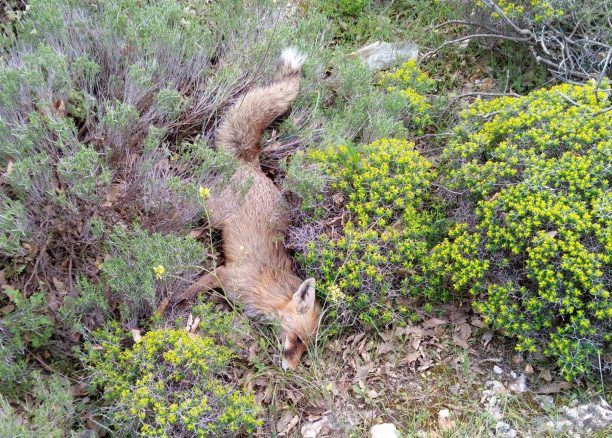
273,292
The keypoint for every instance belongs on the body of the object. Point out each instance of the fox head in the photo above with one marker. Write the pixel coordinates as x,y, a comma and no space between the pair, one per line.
299,320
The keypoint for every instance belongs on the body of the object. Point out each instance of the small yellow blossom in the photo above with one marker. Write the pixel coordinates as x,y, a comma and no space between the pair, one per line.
159,271
204,192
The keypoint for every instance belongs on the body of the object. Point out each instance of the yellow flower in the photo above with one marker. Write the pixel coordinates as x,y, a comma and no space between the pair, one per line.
159,271
204,192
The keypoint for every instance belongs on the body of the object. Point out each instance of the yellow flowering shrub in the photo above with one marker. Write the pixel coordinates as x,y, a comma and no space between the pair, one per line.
535,173
374,233
538,10
168,384
410,85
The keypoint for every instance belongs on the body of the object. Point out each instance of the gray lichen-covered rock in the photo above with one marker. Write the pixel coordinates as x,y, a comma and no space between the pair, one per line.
504,430
582,419
381,55
546,402
591,416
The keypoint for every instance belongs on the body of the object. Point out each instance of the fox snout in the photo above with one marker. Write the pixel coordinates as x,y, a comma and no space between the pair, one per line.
299,322
293,349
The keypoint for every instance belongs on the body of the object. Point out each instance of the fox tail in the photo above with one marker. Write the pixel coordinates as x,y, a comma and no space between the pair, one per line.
246,120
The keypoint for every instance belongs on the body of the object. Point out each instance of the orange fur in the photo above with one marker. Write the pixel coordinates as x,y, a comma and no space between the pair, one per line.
258,271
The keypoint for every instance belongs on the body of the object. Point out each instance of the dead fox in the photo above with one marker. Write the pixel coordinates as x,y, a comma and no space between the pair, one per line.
258,271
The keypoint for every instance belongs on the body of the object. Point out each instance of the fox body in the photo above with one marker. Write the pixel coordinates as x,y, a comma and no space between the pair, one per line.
258,271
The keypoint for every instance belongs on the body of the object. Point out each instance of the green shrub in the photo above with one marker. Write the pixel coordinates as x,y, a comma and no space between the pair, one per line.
49,411
409,85
25,326
373,230
12,226
169,384
535,175
88,309
143,268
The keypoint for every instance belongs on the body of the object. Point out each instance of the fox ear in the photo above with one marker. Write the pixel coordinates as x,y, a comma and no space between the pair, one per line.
304,298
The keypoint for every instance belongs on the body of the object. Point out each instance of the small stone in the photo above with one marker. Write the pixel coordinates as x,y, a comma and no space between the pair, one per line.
495,386
444,420
545,401
504,430
497,370
384,430
513,374
528,369
519,385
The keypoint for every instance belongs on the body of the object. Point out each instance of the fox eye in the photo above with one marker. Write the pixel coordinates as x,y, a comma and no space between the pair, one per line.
298,340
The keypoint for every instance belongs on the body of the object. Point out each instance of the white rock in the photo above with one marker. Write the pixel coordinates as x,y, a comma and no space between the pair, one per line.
519,385
504,430
312,430
493,387
380,55
385,430
498,370
444,420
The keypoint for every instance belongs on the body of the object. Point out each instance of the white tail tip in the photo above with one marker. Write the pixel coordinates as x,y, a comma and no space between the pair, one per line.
293,58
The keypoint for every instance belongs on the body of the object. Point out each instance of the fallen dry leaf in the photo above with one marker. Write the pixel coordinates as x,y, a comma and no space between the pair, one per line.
546,375
462,334
433,322
7,309
338,198
292,423
194,326
163,305
384,348
553,388
362,372
425,365
283,422
476,322
410,358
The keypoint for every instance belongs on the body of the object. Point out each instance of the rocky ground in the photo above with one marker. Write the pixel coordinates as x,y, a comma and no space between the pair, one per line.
446,376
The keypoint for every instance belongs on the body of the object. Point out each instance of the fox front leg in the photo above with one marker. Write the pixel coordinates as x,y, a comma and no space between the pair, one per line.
212,280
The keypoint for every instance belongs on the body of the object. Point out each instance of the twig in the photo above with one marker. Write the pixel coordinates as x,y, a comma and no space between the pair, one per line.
479,94
603,70
448,190
603,111
461,22
506,19
476,35
42,362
